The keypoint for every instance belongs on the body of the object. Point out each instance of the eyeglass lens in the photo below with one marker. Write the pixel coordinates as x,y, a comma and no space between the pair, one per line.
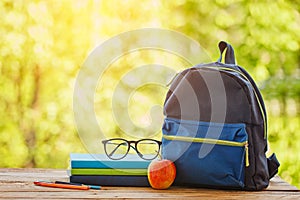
116,148
149,149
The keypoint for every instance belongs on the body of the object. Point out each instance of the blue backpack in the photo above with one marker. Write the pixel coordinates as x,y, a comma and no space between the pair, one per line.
215,127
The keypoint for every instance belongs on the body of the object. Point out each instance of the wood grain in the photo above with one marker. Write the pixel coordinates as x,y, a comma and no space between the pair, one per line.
18,184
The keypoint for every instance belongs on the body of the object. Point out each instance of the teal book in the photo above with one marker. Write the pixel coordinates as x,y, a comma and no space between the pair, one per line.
101,161
109,171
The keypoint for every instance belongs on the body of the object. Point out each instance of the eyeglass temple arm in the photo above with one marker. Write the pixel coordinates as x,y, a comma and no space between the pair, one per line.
141,155
116,148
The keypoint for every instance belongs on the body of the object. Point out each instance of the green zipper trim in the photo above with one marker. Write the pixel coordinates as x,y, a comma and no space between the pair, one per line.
256,96
205,140
212,141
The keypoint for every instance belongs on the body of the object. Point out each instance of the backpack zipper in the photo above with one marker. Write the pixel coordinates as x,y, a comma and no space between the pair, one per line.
256,96
212,141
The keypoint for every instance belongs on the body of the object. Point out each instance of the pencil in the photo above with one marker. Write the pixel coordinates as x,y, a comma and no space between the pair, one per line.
65,186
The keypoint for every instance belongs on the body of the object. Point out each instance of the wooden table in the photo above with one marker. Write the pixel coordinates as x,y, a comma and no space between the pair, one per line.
18,184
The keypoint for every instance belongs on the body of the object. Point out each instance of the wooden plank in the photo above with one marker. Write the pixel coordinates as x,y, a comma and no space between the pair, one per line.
200,194
18,184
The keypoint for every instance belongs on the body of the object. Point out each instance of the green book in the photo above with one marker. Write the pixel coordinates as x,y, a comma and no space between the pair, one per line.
108,171
95,161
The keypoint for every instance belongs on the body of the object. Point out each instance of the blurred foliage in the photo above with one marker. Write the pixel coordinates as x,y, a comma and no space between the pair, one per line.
44,43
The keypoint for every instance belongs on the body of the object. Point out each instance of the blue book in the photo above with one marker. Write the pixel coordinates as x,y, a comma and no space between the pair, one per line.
137,181
101,161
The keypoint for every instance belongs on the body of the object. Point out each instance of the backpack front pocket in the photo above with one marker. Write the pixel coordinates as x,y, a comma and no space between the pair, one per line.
205,153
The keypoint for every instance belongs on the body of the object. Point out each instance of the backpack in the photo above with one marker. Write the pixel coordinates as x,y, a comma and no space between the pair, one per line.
215,127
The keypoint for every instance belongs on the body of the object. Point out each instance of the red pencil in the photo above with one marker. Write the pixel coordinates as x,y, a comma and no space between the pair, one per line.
66,186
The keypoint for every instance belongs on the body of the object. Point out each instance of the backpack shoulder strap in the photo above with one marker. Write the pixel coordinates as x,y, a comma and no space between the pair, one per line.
273,165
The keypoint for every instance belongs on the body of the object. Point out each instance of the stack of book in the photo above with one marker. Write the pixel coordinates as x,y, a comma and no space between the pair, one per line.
98,169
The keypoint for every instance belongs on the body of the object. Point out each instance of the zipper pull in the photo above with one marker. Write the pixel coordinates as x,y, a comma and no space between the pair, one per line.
247,155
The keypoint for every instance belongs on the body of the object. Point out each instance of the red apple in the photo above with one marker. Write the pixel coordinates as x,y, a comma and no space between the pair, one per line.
161,173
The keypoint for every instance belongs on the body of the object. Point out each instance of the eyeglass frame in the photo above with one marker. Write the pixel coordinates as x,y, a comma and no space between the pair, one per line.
129,142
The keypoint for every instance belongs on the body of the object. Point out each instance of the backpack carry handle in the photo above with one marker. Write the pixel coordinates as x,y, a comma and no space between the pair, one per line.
229,55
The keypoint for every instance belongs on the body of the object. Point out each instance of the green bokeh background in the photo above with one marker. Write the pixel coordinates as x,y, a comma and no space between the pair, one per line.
44,43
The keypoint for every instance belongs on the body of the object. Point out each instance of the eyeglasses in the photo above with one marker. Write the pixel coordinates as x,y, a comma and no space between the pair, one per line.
118,148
